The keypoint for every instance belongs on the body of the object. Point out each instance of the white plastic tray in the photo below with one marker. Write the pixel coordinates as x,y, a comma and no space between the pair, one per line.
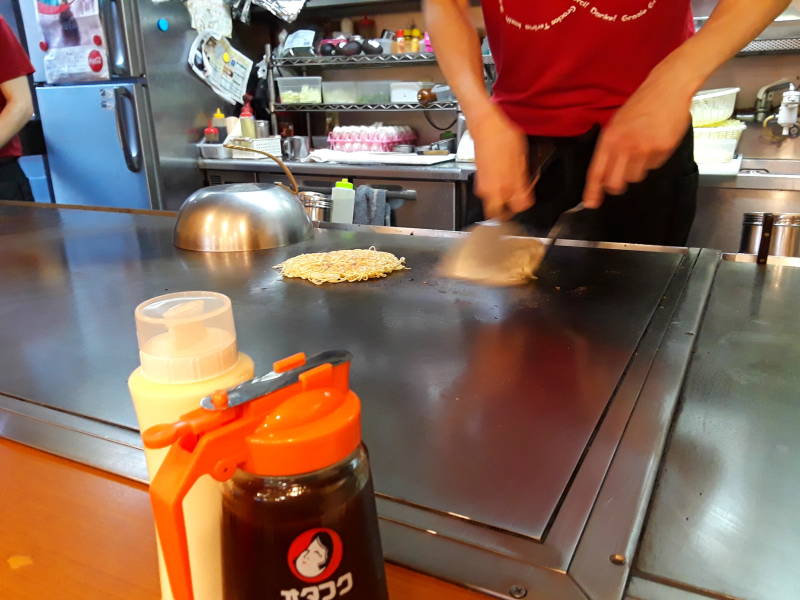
731,167
378,158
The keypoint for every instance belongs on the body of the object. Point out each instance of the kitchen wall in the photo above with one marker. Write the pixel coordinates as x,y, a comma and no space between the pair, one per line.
752,72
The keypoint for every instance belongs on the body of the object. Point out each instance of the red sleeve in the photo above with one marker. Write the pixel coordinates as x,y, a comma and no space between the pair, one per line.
14,61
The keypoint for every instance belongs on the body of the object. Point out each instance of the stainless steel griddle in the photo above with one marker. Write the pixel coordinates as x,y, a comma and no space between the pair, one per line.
514,433
723,522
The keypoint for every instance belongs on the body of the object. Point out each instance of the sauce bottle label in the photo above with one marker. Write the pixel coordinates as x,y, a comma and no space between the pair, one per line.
313,558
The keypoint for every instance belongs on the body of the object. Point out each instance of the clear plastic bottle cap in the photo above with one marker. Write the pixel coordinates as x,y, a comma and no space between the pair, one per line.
186,336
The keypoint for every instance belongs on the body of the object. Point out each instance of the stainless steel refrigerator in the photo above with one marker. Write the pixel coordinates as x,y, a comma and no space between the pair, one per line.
128,141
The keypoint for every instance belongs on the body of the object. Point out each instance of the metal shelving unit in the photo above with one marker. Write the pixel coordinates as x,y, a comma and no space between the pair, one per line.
304,63
360,60
358,107
363,60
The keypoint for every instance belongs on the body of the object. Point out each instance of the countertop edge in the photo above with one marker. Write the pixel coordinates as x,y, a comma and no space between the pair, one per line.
451,171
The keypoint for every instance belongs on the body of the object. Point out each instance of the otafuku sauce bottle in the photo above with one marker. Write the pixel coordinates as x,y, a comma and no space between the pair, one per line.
298,516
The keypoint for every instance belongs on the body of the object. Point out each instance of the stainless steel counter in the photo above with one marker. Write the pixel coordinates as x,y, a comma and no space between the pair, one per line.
724,520
759,174
515,434
434,197
448,171
762,185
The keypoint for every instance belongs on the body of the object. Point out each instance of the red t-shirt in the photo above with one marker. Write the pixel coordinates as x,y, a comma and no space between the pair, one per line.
566,65
13,63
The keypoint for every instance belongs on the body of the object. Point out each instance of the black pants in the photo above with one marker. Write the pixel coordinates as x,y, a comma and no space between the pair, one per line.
658,210
13,182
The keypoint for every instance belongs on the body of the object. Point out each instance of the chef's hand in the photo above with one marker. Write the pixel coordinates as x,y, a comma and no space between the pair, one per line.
501,156
640,137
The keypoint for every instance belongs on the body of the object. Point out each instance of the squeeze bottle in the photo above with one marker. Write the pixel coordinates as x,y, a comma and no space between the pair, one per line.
187,349
247,121
298,508
218,121
343,198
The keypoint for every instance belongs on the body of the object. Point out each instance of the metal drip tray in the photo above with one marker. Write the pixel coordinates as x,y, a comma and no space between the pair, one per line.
494,417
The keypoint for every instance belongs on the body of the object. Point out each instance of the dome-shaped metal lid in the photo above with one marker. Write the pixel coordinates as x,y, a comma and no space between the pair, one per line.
239,217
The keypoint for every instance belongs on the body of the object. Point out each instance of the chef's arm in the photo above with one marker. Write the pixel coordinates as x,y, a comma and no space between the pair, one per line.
650,125
501,148
18,109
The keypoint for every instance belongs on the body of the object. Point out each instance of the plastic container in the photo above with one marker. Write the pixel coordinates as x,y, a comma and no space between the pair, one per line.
444,93
343,198
298,511
717,144
339,92
374,92
386,45
405,92
215,151
188,350
300,90
713,106
270,144
354,138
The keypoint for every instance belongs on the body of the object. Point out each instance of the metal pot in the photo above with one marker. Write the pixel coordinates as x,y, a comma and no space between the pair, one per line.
783,239
317,206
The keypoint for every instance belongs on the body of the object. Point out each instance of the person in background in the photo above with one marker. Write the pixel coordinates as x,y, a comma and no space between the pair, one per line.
16,108
598,90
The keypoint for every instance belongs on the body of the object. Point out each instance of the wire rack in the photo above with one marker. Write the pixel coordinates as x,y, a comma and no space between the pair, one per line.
359,107
375,60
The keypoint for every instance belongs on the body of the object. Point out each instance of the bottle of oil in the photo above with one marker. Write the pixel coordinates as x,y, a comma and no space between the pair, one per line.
187,347
299,518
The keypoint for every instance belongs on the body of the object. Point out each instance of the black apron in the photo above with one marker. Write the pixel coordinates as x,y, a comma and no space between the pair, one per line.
658,210
13,182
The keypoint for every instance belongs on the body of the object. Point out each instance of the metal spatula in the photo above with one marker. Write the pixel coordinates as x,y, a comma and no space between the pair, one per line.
498,252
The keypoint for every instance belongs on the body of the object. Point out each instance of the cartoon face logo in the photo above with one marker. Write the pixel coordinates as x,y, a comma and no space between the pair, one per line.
315,554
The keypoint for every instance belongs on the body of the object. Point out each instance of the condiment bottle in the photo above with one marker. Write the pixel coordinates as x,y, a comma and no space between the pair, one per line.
211,134
218,121
343,198
399,46
299,517
187,348
346,26
365,27
247,121
232,127
416,35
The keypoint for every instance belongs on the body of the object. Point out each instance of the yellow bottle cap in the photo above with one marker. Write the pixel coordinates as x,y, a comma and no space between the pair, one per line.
226,57
219,114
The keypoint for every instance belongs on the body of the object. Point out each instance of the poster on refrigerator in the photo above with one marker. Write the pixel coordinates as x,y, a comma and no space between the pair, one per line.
73,40
221,66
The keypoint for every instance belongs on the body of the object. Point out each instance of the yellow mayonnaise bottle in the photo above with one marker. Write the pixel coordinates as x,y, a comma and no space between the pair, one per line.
187,350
